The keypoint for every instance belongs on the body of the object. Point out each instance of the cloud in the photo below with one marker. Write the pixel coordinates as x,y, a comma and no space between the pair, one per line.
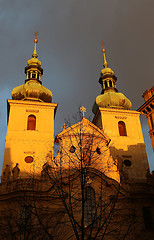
70,35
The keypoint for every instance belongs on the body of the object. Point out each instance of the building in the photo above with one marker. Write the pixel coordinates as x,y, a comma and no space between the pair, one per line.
98,186
30,133
148,109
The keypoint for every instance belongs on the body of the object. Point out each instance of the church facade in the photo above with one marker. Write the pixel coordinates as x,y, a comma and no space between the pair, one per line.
97,186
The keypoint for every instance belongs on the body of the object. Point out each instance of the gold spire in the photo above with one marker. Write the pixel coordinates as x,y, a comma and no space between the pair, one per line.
35,55
106,69
103,51
34,60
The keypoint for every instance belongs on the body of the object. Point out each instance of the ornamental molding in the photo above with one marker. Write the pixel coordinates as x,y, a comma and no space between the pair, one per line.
127,156
120,117
29,152
32,110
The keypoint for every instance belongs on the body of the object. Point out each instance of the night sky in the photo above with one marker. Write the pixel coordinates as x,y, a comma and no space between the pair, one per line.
69,47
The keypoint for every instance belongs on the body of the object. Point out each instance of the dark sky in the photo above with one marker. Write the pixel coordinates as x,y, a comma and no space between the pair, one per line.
69,47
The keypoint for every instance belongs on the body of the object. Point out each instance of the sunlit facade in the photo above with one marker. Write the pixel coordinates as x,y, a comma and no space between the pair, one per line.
92,181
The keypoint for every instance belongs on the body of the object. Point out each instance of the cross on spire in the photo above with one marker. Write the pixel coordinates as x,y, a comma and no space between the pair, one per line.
83,110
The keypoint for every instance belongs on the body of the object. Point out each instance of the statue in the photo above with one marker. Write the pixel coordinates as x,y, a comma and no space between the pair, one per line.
15,172
6,174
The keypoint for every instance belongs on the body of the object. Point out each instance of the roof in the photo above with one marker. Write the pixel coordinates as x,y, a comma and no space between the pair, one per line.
84,127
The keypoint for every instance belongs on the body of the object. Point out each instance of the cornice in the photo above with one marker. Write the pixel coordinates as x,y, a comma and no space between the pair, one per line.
118,111
32,103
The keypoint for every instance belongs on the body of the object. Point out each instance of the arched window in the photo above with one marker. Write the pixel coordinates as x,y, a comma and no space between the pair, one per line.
33,74
122,128
25,222
89,205
110,83
38,75
31,123
28,74
106,84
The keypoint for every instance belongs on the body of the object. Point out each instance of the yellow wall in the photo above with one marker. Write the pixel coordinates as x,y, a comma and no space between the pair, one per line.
21,142
85,135
130,147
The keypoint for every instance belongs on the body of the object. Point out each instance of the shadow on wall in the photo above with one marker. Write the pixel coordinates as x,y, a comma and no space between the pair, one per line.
6,171
133,163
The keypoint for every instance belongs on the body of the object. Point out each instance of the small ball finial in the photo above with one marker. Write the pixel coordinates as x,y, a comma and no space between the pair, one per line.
103,49
35,39
34,55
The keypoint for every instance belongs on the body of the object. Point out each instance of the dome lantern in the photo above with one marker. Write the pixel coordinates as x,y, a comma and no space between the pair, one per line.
33,70
32,89
110,97
107,79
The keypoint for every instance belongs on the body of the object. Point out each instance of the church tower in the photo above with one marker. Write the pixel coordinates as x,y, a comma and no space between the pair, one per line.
122,126
30,133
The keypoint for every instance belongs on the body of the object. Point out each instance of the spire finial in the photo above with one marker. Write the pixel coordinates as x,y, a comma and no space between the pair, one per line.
35,55
64,126
103,51
83,110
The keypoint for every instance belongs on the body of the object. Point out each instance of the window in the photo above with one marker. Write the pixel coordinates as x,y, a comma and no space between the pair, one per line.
28,74
110,83
25,218
90,205
122,128
72,149
148,221
127,163
33,75
98,151
106,84
151,120
31,123
29,159
38,76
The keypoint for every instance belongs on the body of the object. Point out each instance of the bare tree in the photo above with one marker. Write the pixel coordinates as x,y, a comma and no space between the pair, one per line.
85,181
78,195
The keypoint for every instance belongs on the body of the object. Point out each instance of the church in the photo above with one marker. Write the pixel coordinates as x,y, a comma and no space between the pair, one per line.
90,182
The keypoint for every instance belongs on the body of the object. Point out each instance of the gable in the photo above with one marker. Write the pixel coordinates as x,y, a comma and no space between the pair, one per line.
84,127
